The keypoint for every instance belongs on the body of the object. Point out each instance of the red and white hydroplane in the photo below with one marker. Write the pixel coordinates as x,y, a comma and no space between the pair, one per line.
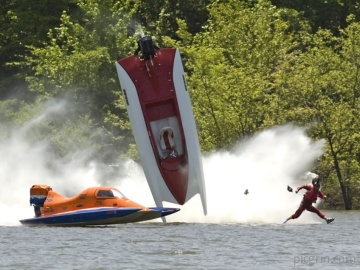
159,107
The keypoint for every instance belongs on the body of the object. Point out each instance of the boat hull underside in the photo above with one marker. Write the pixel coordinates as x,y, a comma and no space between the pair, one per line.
101,216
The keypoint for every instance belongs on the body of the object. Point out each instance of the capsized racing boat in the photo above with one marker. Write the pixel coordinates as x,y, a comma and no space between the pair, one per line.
160,112
93,206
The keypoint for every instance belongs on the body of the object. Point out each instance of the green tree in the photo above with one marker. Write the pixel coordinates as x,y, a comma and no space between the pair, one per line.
78,63
323,14
160,17
231,65
318,92
24,23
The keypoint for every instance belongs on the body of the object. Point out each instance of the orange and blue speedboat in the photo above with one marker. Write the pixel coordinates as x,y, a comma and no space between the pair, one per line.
101,205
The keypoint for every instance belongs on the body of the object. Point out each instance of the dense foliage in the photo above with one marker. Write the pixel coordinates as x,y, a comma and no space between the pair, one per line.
250,65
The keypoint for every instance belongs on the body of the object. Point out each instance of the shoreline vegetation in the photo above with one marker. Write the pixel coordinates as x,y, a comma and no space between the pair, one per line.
250,65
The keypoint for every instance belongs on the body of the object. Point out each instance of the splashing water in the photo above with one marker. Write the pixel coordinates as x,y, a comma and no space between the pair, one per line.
264,164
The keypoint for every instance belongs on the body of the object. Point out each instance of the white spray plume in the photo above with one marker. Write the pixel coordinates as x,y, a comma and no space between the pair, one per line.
264,165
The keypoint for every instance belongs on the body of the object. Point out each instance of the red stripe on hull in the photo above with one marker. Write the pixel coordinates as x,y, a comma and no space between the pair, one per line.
175,172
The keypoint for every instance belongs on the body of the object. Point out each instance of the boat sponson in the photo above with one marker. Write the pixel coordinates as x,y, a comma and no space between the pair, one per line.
91,216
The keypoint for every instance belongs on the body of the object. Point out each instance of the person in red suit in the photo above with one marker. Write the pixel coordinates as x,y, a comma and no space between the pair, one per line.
310,197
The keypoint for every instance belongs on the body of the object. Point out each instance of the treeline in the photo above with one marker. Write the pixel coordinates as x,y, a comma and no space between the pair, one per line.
250,65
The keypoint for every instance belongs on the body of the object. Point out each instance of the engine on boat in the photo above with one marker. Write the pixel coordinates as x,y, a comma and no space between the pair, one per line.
147,47
38,194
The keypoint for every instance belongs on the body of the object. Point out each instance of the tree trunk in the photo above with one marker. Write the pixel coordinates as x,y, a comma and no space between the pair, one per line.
344,187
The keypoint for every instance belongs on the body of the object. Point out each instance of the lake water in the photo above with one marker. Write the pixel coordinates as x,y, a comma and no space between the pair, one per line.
239,232
176,245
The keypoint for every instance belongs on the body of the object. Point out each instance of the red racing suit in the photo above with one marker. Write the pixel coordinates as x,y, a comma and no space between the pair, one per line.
309,198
